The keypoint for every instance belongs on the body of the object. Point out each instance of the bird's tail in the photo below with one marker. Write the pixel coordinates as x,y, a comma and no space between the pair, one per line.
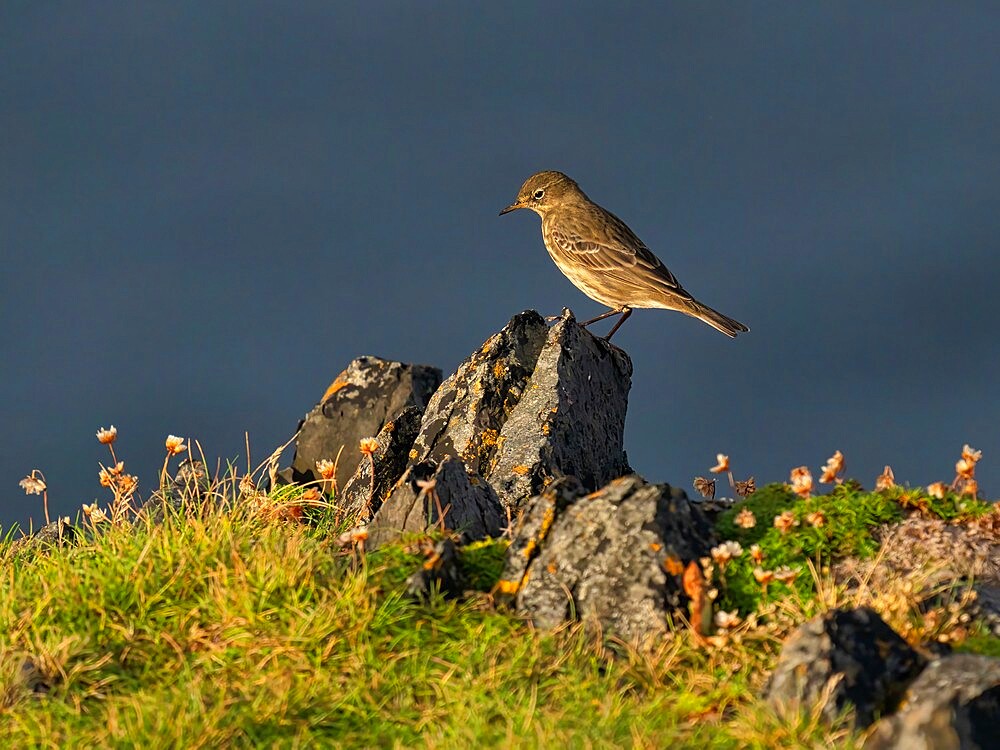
714,318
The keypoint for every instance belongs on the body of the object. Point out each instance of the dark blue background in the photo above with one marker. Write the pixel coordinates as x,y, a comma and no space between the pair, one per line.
208,209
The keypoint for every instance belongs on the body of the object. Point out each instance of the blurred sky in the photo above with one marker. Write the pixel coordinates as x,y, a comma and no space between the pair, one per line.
208,209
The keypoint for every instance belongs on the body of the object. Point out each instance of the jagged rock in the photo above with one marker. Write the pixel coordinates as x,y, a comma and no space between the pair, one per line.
531,405
394,440
441,571
953,705
190,489
465,501
570,420
58,533
612,556
850,658
357,405
465,415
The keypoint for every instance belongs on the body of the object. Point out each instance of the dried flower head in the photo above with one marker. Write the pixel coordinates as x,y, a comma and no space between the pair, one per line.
311,495
970,488
965,468
756,554
326,468
353,536
745,519
368,446
816,518
762,576
801,481
832,469
706,487
784,574
34,483
886,480
726,620
785,521
175,445
94,514
746,488
725,552
721,464
971,454
938,490
106,436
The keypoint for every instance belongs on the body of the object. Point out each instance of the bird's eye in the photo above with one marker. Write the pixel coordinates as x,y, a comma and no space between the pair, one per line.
539,194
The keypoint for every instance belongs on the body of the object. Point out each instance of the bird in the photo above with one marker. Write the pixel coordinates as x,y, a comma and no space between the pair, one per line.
604,258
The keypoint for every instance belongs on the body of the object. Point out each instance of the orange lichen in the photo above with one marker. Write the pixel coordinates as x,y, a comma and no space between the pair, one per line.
673,565
521,470
507,587
336,385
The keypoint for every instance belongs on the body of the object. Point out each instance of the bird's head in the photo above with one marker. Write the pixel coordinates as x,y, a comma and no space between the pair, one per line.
545,191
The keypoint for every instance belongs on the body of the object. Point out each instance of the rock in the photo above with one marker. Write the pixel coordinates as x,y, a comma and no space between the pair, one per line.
190,489
465,415
848,657
953,705
58,533
533,404
570,420
357,405
612,557
441,572
467,503
394,439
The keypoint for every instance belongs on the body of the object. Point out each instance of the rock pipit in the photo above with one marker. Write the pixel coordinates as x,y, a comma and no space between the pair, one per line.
603,257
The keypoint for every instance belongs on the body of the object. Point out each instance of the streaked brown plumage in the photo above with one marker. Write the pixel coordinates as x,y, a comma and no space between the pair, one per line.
599,253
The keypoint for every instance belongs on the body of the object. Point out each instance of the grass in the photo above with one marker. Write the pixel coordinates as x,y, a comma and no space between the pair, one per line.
229,631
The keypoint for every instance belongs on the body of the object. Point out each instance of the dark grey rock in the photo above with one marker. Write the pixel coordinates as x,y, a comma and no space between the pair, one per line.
603,557
395,440
467,503
570,420
851,658
357,405
465,415
189,490
58,533
953,705
441,571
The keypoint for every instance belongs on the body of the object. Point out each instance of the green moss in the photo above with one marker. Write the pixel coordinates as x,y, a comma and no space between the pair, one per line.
983,643
482,563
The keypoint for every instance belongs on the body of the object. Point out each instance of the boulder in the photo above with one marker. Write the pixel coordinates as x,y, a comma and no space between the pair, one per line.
361,496
848,658
611,557
441,572
570,421
953,705
370,392
441,494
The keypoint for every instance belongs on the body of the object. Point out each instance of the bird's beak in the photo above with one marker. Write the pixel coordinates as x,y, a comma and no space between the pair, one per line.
512,207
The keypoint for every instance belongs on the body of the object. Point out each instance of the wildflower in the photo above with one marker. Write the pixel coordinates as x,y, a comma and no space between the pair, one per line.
938,490
726,620
105,478
326,468
175,445
745,519
784,574
705,486
801,481
971,454
725,552
886,480
721,464
965,468
106,436
970,488
831,471
756,554
311,495
762,576
33,484
353,536
746,488
816,518
95,514
785,521
368,446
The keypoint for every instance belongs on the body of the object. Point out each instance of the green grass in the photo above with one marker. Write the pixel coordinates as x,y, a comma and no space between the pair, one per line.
226,631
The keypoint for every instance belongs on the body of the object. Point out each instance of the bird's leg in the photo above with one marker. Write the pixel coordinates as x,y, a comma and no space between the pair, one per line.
608,314
625,311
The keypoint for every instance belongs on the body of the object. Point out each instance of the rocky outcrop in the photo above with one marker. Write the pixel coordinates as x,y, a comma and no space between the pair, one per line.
612,557
443,495
58,533
189,490
361,496
848,658
359,402
953,705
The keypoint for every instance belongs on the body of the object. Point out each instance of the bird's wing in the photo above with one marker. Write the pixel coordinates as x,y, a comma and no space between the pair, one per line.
614,251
